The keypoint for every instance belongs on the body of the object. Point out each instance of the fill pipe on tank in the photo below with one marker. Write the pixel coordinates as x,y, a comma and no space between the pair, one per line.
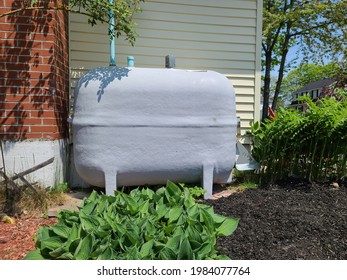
112,40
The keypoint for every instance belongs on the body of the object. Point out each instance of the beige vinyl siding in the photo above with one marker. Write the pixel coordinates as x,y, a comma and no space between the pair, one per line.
223,36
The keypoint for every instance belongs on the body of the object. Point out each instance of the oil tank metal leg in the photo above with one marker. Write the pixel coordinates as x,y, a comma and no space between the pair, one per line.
207,179
110,182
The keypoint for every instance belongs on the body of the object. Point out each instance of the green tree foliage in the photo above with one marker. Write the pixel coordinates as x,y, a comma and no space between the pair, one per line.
97,11
305,74
317,27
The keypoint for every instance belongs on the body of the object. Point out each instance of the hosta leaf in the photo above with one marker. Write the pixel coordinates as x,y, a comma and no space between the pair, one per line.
181,220
174,214
173,189
102,206
150,229
132,205
193,234
88,222
74,233
120,229
34,255
185,250
174,242
158,246
227,227
100,221
204,250
73,245
222,257
61,230
51,243
57,252
65,214
167,254
135,193
144,207
132,236
195,245
147,249
178,231
169,228
84,248
107,254
133,254
162,211
43,233
189,201
193,212
93,196
149,193
88,208
158,196
206,218
218,219
73,219
65,256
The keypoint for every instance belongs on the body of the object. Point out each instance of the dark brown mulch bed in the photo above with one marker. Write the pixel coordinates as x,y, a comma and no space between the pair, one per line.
290,220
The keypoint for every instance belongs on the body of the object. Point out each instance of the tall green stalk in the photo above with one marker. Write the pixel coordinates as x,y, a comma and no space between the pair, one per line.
310,145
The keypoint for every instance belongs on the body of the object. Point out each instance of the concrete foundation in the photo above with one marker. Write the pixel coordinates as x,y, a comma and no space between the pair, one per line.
22,155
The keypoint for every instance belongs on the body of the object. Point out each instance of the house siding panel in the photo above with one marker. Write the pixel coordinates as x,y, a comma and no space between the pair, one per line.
223,36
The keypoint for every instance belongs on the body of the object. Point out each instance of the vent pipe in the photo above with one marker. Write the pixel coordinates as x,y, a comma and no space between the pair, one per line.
112,40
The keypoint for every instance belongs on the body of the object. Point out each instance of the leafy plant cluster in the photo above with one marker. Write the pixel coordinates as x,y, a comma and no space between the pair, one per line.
310,144
195,191
167,224
97,12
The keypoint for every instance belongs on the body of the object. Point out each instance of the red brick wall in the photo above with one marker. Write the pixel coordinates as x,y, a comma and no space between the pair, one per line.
34,73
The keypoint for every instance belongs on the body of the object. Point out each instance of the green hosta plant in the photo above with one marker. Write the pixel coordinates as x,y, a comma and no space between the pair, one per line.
164,225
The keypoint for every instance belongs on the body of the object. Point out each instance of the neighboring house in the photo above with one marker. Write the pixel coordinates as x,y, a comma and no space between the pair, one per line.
314,90
39,56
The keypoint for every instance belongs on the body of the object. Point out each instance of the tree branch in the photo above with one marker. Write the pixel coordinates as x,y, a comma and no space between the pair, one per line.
60,8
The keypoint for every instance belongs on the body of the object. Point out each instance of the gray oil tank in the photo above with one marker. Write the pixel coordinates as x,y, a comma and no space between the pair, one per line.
137,126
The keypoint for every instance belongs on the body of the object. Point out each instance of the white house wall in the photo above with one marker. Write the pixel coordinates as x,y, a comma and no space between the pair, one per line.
223,36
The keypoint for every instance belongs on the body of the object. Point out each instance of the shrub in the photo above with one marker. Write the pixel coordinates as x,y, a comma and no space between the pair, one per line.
167,224
310,145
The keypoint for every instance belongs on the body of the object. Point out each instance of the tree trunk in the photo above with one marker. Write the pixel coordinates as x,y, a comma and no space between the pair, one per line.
267,82
284,53
282,65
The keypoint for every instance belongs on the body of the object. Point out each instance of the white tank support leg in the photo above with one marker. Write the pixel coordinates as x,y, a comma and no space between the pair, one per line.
110,182
207,179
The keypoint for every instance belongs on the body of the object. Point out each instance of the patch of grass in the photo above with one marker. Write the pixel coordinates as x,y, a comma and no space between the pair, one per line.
61,188
243,186
29,202
243,180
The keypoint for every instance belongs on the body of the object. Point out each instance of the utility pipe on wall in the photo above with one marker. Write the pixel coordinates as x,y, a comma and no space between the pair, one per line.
112,40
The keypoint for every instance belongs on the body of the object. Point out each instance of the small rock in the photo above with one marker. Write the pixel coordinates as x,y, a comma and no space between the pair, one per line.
52,213
8,220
